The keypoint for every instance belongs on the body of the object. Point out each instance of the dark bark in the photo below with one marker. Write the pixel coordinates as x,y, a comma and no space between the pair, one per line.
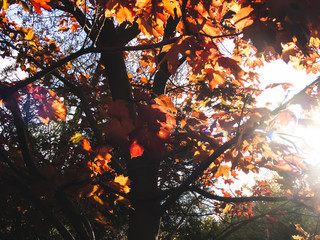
143,172
163,74
114,62
145,216
23,137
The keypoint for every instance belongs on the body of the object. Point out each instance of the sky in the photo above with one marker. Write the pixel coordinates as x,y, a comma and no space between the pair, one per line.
280,72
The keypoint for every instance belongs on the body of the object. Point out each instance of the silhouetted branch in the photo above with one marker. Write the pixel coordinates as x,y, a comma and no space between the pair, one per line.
244,199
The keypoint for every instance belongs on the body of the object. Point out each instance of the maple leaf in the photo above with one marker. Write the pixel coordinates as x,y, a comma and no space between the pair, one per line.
77,137
5,5
29,35
241,18
38,4
136,150
124,182
233,65
223,170
185,46
227,208
86,145
166,102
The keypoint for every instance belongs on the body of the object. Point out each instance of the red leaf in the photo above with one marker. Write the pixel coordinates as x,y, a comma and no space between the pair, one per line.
38,4
86,145
136,150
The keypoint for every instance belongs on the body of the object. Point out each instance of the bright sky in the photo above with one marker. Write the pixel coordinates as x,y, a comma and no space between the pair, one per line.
280,72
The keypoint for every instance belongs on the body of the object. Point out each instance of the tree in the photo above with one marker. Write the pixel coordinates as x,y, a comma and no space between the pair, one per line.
86,143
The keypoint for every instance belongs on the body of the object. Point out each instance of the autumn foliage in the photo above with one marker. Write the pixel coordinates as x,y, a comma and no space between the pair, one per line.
125,107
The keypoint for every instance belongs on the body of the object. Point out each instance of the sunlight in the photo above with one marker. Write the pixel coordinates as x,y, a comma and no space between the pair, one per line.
310,135
280,72
304,133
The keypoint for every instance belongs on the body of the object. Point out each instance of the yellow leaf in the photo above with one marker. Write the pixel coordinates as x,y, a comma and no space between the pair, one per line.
124,182
59,110
124,14
171,6
297,237
77,137
227,208
97,199
5,5
29,34
223,170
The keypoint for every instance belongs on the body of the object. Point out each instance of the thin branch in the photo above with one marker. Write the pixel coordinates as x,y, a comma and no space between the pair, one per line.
42,207
79,222
206,163
290,101
6,92
78,92
110,189
23,139
221,36
196,173
244,199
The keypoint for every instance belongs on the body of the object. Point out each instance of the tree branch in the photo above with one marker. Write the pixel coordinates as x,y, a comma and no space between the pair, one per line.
24,142
78,221
196,174
6,92
42,207
110,189
206,163
244,199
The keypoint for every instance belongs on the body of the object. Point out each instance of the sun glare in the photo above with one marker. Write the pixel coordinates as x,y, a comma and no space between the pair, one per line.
304,132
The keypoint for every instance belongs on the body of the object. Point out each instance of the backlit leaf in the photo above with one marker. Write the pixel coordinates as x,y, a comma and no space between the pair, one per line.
223,170
136,150
77,137
86,145
124,182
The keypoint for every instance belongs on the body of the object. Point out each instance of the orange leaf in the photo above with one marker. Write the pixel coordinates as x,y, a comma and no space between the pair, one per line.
86,145
124,182
223,170
136,150
241,19
38,4
59,110
45,120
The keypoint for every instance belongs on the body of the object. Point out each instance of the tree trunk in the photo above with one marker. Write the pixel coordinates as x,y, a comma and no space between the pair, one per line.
143,171
145,216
